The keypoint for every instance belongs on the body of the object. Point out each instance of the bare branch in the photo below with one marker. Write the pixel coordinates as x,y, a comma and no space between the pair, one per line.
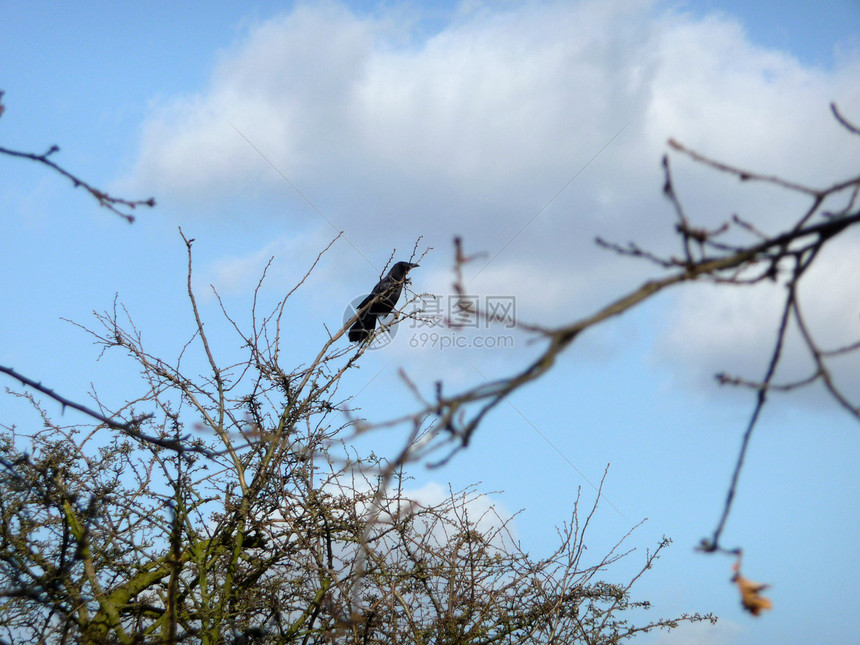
116,205
131,428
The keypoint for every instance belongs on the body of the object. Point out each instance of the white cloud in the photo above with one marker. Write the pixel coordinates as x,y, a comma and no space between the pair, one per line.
475,129
285,88
490,517
439,510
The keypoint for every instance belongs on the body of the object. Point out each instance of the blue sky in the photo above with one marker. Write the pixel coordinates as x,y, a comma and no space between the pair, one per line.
398,120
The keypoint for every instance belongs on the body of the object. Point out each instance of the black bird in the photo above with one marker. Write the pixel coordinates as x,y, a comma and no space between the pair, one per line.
380,302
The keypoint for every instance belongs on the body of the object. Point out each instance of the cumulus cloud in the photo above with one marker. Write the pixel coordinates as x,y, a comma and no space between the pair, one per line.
450,509
488,516
285,88
476,128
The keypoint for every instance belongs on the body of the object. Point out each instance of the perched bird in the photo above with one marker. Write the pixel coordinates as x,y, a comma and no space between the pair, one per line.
380,302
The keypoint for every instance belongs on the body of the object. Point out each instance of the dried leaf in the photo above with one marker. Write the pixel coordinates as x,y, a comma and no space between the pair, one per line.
751,599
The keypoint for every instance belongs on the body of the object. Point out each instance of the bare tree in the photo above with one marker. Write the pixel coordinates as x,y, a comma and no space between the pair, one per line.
253,528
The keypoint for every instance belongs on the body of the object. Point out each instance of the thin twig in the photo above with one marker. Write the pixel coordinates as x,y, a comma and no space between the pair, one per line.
845,123
113,204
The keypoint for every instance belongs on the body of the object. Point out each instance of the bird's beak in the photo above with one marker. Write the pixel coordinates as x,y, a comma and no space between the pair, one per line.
414,266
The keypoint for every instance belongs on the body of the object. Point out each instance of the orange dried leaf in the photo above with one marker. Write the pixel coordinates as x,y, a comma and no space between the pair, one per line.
751,599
